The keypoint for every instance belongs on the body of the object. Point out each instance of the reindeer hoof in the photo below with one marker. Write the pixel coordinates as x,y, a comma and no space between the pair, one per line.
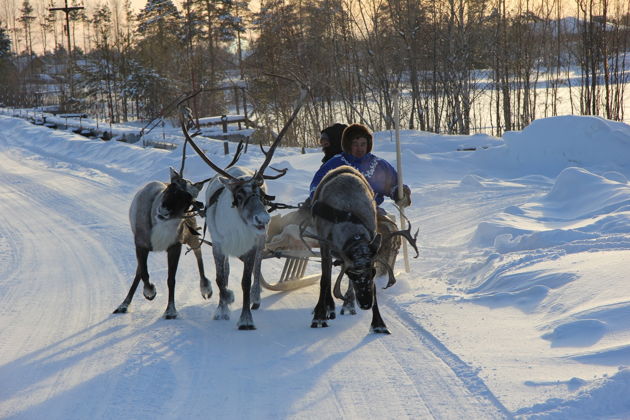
255,306
221,317
206,290
319,324
332,315
379,330
349,311
120,310
149,292
170,314
246,327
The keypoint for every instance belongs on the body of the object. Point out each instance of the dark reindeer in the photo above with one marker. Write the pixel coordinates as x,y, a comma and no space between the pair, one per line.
236,217
162,219
344,216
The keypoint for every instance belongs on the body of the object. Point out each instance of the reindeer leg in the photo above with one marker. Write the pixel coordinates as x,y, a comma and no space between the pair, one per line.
195,244
142,254
255,293
349,301
378,326
173,254
226,296
321,312
204,284
141,273
246,322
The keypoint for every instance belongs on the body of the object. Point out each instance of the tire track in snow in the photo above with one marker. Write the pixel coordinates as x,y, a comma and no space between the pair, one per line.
52,289
466,373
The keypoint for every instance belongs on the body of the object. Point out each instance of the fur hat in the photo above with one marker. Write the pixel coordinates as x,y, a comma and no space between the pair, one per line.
333,134
352,132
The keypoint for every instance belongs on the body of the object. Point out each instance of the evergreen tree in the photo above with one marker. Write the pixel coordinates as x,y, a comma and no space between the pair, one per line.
5,43
8,75
160,49
26,19
219,24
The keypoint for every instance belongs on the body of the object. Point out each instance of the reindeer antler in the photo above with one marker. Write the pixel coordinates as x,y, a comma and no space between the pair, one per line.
237,154
304,234
205,158
406,233
281,172
185,119
337,288
390,273
274,145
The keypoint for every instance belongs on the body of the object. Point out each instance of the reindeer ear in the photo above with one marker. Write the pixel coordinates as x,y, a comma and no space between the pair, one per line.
174,174
376,243
199,185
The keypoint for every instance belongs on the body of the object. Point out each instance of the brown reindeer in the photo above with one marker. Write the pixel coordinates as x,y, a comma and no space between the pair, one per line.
344,217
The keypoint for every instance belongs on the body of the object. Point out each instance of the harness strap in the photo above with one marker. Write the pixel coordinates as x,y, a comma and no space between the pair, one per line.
213,200
334,215
214,197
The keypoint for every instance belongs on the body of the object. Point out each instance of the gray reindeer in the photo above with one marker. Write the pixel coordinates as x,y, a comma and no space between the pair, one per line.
344,217
162,220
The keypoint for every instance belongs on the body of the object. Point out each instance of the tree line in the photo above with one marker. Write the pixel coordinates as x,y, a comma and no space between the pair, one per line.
463,66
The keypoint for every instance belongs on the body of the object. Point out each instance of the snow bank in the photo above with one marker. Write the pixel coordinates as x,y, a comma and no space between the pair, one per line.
604,397
549,145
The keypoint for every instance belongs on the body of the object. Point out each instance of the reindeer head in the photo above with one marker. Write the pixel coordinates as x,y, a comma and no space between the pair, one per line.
248,191
251,201
358,255
178,196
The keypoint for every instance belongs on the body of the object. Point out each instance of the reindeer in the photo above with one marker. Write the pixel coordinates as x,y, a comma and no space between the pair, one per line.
162,220
237,217
344,217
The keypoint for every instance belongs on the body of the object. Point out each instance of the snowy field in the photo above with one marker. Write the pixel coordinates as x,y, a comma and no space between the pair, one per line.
518,306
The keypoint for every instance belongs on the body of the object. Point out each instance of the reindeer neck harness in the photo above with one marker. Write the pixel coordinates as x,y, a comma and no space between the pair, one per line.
333,214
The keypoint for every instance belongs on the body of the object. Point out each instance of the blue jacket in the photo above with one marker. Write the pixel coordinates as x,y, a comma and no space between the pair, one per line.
381,176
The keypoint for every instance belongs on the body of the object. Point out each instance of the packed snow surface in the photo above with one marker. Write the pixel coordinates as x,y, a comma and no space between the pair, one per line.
518,305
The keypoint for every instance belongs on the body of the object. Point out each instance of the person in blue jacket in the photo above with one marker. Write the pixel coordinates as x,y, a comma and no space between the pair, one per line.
356,145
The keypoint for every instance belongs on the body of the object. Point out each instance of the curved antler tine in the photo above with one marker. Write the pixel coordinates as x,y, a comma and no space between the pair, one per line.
406,233
303,234
262,149
281,173
203,156
237,154
276,142
190,96
390,273
337,288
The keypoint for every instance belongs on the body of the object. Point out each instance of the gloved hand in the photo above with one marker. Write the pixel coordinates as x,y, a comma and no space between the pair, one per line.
405,201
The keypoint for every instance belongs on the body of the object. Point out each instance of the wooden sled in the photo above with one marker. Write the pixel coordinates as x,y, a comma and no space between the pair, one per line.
292,276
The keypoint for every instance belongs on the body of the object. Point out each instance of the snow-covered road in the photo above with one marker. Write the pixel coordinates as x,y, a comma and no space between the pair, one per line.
66,260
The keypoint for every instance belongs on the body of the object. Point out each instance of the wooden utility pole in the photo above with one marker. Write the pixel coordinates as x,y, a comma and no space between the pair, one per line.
67,11
399,170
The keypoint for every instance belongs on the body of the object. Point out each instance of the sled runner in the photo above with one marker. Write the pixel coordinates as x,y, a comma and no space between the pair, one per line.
293,270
